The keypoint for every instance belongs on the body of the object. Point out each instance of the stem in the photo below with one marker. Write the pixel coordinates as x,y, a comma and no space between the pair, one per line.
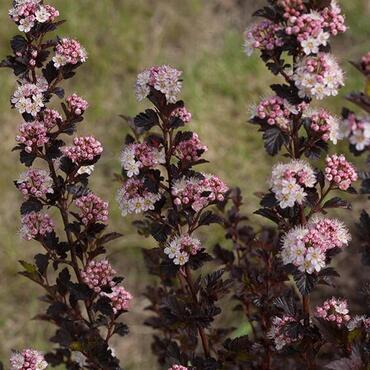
201,331
306,309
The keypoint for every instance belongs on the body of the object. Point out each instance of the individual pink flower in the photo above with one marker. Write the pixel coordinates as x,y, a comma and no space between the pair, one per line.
120,299
69,51
97,275
92,209
340,172
76,104
183,114
134,197
35,183
84,149
278,334
36,224
263,36
164,79
190,150
334,310
28,359
51,118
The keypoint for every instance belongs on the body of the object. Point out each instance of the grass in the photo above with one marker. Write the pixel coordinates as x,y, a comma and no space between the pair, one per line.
204,39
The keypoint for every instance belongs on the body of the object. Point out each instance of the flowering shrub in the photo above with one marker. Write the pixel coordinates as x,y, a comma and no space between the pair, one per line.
84,295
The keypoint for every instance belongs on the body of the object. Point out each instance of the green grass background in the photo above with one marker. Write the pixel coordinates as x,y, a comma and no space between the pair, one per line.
204,39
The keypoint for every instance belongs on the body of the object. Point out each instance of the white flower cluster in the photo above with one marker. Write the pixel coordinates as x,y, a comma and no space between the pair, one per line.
28,98
181,247
318,76
139,155
288,182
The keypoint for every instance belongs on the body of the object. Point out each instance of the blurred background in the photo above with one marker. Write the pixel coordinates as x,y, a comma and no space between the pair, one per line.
204,39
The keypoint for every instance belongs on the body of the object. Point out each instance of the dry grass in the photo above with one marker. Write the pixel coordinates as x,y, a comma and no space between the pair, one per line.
204,39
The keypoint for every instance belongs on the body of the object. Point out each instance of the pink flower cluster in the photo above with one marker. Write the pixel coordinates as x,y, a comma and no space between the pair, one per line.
69,51
275,111
358,321
32,135
333,19
92,209
339,171
182,113
334,310
76,104
120,299
35,183
98,274
181,247
164,79
357,130
28,359
51,118
28,98
318,76
133,197
288,182
306,247
190,192
326,125
277,332
263,36
365,62
136,156
178,367
26,14
292,8
84,149
190,150
36,224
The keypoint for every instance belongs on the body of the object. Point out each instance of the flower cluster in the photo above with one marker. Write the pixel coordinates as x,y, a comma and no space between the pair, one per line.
84,149
288,182
190,150
35,183
28,98
164,79
276,111
32,136
136,156
339,171
97,275
325,125
28,359
318,76
120,299
357,130
51,118
358,321
92,209
69,51
292,8
27,13
36,224
198,193
76,104
181,247
182,113
278,334
263,36
134,197
365,63
334,310
306,247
